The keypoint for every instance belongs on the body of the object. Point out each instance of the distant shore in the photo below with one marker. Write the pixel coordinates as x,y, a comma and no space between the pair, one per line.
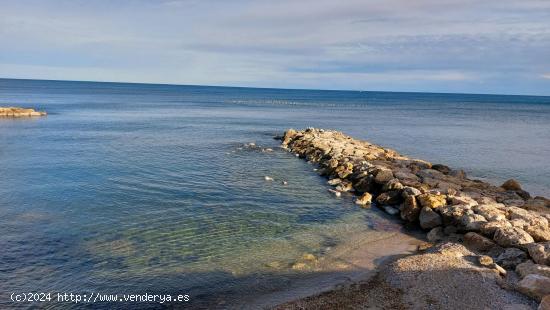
489,246
19,112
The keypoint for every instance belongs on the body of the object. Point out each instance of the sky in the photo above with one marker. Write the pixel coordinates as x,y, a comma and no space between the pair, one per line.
462,46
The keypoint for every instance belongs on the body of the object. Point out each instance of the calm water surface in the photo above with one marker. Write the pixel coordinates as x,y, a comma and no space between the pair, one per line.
129,188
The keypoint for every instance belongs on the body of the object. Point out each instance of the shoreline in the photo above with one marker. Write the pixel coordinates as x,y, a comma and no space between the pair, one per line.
364,258
500,232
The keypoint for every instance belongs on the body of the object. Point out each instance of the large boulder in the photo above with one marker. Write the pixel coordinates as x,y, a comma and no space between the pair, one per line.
389,198
528,267
392,184
364,200
539,233
511,185
535,285
477,242
488,228
492,212
383,176
512,237
429,218
410,210
540,252
511,257
365,184
532,218
410,191
433,201
472,222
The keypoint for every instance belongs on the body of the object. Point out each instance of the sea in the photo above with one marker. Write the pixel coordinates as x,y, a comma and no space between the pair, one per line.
160,189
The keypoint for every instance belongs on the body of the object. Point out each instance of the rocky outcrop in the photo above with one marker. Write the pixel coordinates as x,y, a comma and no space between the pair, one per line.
19,112
503,221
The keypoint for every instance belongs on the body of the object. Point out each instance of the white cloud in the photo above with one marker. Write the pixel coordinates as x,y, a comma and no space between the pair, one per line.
431,44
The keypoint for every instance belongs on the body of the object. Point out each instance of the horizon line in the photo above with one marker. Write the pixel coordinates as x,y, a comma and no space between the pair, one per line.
275,88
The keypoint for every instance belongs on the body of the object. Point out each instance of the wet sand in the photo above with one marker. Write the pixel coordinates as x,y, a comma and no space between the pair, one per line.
355,260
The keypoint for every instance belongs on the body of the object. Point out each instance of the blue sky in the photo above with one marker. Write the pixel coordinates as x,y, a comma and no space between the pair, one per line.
395,45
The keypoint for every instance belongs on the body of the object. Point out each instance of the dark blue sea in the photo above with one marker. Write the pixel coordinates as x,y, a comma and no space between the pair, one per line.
137,188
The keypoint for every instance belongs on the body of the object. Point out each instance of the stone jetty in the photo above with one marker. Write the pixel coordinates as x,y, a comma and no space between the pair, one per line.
19,112
507,227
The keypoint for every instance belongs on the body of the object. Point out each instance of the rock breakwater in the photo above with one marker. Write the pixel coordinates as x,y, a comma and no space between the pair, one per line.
502,222
19,112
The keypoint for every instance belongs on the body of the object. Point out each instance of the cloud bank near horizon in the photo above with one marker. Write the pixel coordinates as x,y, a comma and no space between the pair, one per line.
396,45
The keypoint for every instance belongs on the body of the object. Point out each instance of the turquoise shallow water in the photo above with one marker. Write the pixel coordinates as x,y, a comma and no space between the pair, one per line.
148,188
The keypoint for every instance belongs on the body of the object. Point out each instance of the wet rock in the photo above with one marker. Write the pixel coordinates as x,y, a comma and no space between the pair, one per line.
410,210
364,200
512,237
536,286
540,252
344,186
390,210
383,176
460,174
528,267
392,184
288,136
523,194
389,198
344,170
429,218
335,193
365,184
432,200
511,185
477,242
410,191
511,257
334,181
442,168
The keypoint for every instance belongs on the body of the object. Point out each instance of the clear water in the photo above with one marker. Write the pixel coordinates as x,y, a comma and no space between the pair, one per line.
131,188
